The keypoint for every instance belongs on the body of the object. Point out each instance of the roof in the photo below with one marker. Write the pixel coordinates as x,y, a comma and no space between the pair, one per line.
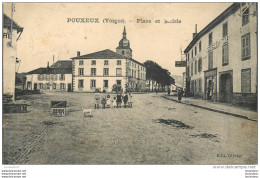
122,47
51,71
105,54
62,64
137,62
7,23
230,10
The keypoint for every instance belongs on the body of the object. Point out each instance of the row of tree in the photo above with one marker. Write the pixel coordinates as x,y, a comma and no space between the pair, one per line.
155,73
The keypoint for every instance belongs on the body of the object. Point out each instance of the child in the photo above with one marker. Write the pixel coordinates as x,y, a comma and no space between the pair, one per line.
130,100
108,101
103,101
114,102
118,100
97,100
125,99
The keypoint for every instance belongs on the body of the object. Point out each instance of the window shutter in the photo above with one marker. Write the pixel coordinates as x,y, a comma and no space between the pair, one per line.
57,87
246,80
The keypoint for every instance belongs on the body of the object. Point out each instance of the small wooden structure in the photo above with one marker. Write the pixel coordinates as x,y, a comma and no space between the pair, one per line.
9,107
58,108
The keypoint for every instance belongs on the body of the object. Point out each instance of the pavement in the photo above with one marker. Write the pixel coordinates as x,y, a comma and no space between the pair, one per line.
223,108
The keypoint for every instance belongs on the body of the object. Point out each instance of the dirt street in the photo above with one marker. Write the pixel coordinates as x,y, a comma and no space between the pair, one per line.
154,131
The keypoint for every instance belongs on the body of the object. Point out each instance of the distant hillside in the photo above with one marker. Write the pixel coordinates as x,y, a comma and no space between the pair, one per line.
178,79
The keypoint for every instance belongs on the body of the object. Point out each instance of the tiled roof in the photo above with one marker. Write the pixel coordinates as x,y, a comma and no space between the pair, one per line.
230,10
137,62
105,54
7,23
51,71
62,64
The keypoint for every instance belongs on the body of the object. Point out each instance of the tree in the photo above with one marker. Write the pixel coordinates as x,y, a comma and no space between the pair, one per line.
156,73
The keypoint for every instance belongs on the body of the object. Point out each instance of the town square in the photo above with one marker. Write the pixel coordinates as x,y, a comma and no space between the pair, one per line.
130,84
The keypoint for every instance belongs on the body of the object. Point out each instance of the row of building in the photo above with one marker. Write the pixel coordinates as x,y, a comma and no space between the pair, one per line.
222,58
100,70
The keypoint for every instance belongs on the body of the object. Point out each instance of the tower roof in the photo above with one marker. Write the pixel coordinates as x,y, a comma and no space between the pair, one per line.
124,42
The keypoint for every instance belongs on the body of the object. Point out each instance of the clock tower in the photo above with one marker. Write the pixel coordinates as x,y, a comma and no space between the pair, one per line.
124,46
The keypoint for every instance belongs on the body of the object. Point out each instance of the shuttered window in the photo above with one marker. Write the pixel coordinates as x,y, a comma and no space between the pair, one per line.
246,51
246,80
225,54
210,56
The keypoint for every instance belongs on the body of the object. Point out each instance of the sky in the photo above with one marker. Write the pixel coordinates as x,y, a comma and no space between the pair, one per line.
47,31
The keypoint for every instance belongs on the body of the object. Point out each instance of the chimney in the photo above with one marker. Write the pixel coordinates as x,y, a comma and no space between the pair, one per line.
48,67
194,34
78,53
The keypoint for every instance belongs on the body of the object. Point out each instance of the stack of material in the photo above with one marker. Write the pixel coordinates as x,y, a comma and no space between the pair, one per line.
7,99
10,107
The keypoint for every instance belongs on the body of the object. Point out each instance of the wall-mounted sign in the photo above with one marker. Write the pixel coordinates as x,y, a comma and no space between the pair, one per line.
180,63
214,46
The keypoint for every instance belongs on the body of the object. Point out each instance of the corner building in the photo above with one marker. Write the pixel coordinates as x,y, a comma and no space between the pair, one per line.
222,57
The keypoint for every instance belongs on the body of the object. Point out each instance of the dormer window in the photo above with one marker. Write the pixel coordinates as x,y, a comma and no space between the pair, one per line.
245,17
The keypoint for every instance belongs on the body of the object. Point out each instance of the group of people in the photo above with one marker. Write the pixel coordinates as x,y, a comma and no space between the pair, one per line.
107,101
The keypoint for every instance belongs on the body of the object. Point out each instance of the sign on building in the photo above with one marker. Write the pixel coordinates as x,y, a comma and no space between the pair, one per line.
180,63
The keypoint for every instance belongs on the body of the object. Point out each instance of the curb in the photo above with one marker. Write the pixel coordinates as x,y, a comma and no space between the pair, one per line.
210,109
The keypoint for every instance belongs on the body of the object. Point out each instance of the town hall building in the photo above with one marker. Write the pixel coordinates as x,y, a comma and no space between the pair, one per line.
103,69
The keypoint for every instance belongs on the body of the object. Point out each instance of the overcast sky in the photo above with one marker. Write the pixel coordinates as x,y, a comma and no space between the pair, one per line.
47,32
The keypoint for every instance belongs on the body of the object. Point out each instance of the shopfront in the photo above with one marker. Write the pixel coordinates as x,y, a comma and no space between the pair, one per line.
210,90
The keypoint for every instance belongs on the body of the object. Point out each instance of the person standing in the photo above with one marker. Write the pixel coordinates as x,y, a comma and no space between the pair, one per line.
180,94
97,99
103,101
118,100
125,99
114,103
108,101
130,100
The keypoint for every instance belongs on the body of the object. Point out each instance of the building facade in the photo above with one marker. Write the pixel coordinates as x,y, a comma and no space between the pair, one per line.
11,34
51,78
222,57
103,69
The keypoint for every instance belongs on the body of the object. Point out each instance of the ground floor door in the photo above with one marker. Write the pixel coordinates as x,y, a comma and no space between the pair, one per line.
35,86
225,87
211,88
69,87
29,85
